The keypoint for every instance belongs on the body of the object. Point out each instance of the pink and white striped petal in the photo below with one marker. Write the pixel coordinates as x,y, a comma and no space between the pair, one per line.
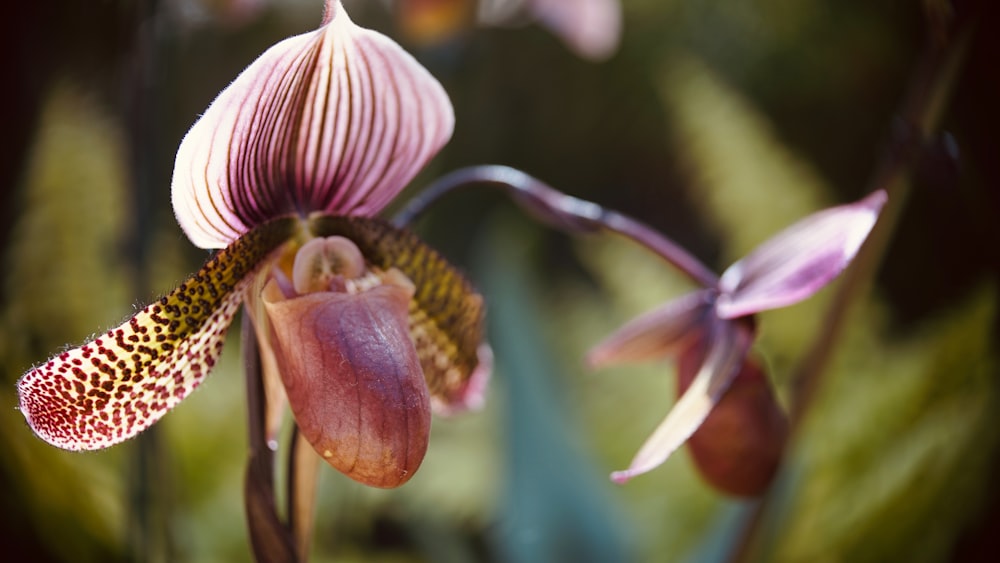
799,261
336,120
115,386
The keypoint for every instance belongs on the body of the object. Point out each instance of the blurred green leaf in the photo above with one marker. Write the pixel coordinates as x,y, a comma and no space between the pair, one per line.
65,280
555,507
902,435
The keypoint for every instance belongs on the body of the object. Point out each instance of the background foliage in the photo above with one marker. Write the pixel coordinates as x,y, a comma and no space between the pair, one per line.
717,122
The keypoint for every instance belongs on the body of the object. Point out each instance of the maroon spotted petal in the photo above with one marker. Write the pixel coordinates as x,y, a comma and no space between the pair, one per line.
115,386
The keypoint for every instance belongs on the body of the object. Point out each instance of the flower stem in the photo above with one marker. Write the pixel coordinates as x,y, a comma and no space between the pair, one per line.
270,537
918,118
558,210
921,111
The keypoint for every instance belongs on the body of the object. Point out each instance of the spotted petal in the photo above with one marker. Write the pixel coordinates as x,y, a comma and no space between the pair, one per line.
120,383
337,120
798,261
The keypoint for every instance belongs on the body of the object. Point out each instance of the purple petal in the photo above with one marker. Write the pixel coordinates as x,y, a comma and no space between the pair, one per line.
798,261
337,120
657,333
354,380
728,346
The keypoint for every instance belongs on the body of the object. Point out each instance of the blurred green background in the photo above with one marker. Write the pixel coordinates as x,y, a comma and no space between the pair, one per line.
717,122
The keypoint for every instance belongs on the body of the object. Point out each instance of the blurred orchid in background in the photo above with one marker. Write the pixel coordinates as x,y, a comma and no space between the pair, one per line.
591,29
736,436
360,324
711,330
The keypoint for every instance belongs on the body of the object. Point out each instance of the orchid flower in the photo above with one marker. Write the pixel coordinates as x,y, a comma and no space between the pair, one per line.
362,327
711,331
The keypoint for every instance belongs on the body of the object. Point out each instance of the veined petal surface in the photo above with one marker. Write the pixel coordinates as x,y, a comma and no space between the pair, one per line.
336,120
354,380
120,383
445,315
799,261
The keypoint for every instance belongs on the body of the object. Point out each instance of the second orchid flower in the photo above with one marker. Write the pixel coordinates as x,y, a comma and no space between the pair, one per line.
710,332
727,411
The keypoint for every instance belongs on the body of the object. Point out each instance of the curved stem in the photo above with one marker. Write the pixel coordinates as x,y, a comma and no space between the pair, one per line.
662,246
558,210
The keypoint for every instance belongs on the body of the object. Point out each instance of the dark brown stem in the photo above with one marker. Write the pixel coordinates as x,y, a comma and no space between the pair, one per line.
270,538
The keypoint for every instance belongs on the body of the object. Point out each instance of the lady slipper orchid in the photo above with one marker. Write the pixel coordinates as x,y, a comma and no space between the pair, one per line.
711,331
362,326
737,430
